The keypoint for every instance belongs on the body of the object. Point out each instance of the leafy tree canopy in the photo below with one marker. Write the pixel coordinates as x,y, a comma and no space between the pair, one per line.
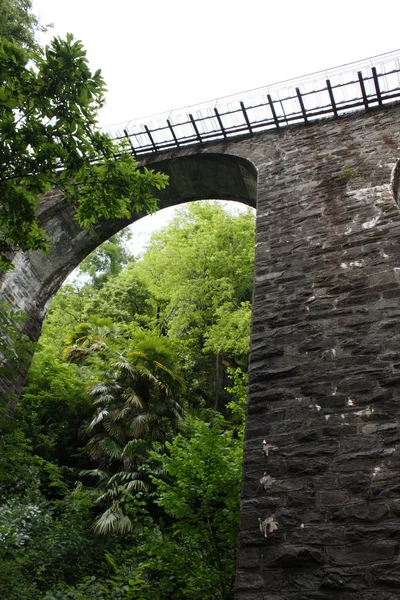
202,493
19,24
108,260
48,138
200,261
198,271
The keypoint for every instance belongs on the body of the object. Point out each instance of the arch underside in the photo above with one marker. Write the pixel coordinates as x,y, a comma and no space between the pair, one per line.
198,177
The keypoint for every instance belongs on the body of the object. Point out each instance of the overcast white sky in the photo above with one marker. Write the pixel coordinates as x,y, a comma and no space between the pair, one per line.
160,55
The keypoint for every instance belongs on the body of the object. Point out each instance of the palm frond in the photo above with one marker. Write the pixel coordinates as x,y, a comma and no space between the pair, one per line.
113,520
124,365
136,485
132,447
98,418
115,429
120,413
99,388
110,447
110,494
133,399
139,424
100,474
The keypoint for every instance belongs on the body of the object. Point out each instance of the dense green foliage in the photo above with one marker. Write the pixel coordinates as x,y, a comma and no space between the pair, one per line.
48,137
19,24
107,260
120,475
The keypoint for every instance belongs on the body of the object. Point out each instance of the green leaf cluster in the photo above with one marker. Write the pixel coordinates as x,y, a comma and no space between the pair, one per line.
19,24
201,490
48,138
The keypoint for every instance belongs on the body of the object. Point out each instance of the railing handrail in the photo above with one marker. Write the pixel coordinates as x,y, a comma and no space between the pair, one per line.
360,85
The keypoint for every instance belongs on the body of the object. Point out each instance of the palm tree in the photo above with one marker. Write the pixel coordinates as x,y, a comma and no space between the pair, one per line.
139,401
137,397
89,338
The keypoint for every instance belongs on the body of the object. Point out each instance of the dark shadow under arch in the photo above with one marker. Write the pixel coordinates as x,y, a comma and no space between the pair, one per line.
197,177
208,177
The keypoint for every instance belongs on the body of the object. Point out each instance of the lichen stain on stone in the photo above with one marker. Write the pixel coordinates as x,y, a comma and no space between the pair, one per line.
366,412
371,223
266,481
267,447
354,264
268,526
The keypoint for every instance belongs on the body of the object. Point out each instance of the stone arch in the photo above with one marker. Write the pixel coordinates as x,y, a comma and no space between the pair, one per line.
37,277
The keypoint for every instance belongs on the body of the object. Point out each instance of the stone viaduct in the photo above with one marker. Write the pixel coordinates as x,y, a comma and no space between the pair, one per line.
321,491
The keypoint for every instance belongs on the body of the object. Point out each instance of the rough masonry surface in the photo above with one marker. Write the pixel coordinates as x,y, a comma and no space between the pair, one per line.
321,490
325,367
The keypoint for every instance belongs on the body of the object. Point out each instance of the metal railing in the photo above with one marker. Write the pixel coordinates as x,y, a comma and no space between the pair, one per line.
362,85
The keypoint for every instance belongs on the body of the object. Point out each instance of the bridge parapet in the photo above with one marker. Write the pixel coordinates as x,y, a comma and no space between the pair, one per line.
361,85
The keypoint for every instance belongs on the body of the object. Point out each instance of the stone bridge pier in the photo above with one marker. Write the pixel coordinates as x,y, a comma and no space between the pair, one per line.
320,511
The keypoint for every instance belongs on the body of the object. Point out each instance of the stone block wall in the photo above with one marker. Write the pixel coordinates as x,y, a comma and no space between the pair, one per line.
322,444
